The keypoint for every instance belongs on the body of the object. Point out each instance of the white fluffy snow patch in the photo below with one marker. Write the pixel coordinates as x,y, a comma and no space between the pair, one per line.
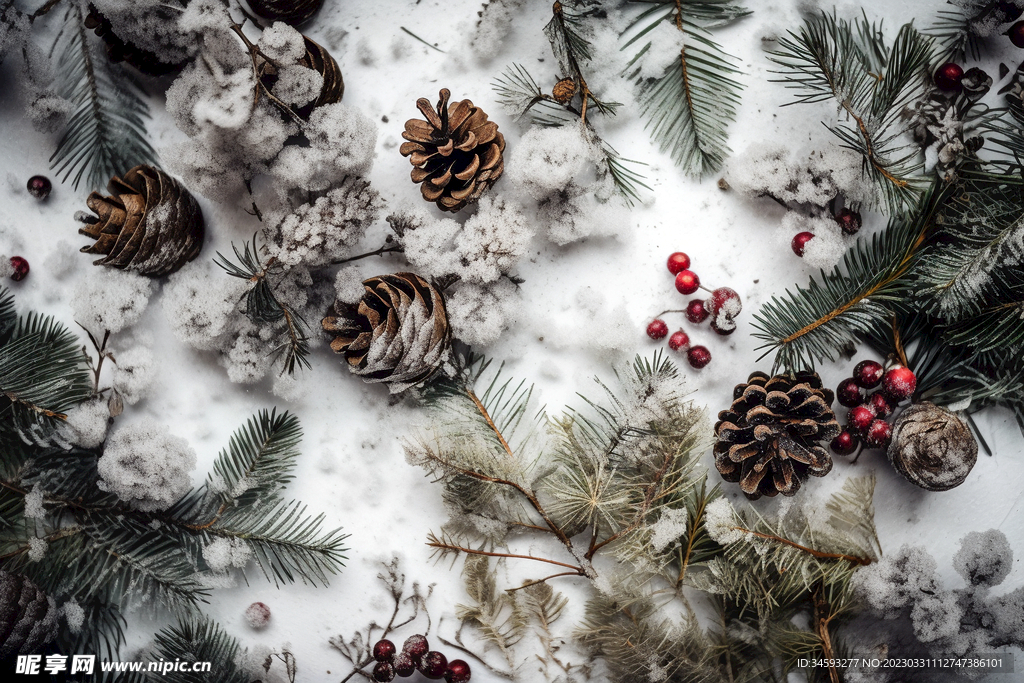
87,423
34,503
547,159
720,522
36,549
223,553
110,299
665,47
74,615
134,371
282,43
146,466
198,302
669,528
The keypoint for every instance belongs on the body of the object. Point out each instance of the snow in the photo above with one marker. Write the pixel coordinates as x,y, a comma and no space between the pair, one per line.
36,549
146,466
74,614
223,553
134,372
545,330
109,299
87,423
985,558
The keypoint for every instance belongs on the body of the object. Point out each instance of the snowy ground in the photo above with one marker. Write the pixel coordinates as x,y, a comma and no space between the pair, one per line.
578,301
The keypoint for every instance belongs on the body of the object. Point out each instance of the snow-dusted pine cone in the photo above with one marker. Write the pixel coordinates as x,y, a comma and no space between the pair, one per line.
292,12
769,440
320,60
28,616
149,224
145,60
456,152
932,447
397,333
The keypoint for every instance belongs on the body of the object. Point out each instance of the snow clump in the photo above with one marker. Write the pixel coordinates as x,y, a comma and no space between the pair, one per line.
223,553
146,466
110,299
87,423
134,370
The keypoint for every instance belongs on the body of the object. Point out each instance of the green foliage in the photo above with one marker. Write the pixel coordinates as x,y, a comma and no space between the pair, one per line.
689,107
109,557
264,308
42,374
849,63
106,134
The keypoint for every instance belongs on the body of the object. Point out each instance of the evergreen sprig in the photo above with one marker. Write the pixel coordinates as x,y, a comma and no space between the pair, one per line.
106,134
264,308
849,63
688,108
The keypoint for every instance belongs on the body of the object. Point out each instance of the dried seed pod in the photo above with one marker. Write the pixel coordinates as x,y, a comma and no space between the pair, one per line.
932,447
397,334
564,90
149,224
294,12
456,152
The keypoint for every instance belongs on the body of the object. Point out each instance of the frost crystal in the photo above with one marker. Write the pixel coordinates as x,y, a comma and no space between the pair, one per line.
492,241
670,527
146,466
34,503
110,299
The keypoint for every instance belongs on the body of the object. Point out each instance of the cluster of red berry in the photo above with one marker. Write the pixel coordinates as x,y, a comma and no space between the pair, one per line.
871,395
849,222
416,655
39,187
722,307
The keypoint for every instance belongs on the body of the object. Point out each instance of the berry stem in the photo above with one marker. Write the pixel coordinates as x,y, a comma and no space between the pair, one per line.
674,310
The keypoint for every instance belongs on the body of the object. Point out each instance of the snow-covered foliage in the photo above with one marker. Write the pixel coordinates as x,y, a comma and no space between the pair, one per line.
827,246
222,554
146,466
496,19
110,299
87,423
133,373
341,143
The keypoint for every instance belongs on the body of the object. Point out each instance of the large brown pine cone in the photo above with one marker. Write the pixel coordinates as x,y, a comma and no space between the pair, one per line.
28,617
770,438
397,334
149,224
456,152
932,447
321,61
292,12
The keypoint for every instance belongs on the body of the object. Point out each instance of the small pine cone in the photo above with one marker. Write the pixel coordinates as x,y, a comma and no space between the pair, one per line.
28,617
932,447
397,333
769,440
294,12
456,152
149,224
321,61
564,90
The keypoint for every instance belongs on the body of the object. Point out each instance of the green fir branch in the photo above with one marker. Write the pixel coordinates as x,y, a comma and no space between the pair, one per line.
259,460
849,63
106,134
196,638
689,107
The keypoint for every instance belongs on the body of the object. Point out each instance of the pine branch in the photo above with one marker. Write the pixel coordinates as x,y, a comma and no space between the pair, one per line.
106,134
198,639
259,460
264,308
688,108
566,33
848,62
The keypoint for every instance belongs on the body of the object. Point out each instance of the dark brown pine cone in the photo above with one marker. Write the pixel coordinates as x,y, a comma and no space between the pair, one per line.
932,447
294,12
321,61
770,438
397,333
149,224
456,152
28,617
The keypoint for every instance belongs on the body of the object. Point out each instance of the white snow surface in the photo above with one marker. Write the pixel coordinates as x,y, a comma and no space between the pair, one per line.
581,308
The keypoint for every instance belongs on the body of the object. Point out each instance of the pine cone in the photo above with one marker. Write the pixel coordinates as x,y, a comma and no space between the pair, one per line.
932,447
292,12
456,151
769,439
321,61
397,334
120,50
28,617
149,224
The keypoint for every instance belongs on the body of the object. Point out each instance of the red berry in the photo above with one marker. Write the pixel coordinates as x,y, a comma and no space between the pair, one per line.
724,305
800,241
384,651
859,419
1016,34
677,262
868,374
657,329
457,672
257,615
695,312
433,665
39,186
384,672
404,665
20,266
687,282
699,356
848,393
679,340
849,220
726,327
948,76
899,383
845,443
880,404
879,434
416,646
